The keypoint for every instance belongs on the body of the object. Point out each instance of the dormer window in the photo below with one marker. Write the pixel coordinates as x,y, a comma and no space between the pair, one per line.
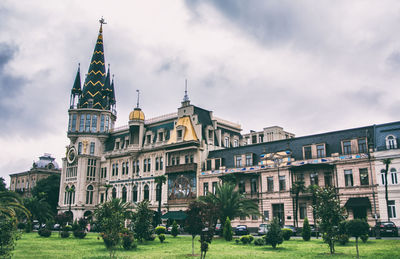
347,147
160,136
179,134
90,103
391,142
148,139
235,143
227,144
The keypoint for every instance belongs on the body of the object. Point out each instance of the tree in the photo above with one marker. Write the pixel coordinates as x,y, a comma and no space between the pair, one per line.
297,188
3,187
387,162
274,235
357,228
306,233
159,180
111,216
227,231
330,214
11,204
8,236
174,230
230,202
48,188
194,221
142,223
39,209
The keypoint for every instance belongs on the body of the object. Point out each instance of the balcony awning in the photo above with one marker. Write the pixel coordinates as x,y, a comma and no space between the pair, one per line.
176,215
358,202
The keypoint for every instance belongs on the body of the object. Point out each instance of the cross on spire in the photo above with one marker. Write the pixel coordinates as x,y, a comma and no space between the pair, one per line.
102,21
138,94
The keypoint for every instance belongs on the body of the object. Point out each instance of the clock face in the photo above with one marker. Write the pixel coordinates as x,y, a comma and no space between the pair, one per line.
71,155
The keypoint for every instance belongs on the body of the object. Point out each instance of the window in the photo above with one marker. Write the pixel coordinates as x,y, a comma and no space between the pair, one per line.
208,164
249,159
364,176
73,126
253,186
362,146
148,137
113,169
320,151
116,169
300,177
391,142
79,148
191,160
161,136
124,194
303,210
261,138
347,147
102,123
235,143
226,142
94,123
214,187
87,123
179,134
217,163
101,197
149,164
161,163
392,209
307,152
117,145
92,148
91,170
107,123
210,134
266,214
123,168
348,177
383,176
134,194
146,192
205,188
242,187
89,194
114,193
187,159
393,175
104,172
145,165
158,192
270,184
238,161
82,123
328,179
157,163
314,178
282,183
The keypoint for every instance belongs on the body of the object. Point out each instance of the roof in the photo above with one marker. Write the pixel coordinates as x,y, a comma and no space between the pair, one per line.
46,161
358,202
177,215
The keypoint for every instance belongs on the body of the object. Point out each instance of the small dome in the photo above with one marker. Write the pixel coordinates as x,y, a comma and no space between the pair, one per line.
136,114
46,161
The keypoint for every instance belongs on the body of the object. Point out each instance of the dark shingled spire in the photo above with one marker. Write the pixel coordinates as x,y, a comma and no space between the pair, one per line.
92,96
112,99
76,88
106,91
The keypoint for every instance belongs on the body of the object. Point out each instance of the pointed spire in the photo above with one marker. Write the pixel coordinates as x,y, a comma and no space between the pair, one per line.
92,90
113,101
138,94
76,88
186,101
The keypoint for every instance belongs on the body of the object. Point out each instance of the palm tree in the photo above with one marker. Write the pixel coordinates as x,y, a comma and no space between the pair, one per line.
387,162
159,180
297,187
11,204
108,186
39,208
230,202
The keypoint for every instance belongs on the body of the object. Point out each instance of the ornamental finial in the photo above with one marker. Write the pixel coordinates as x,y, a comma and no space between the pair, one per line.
102,21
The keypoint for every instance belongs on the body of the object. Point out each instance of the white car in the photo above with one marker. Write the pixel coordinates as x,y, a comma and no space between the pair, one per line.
262,229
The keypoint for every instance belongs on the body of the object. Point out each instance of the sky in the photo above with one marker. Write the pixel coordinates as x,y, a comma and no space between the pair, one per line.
307,66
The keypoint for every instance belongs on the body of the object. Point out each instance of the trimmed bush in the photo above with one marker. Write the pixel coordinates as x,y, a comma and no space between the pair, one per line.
44,232
237,241
274,235
306,232
67,228
227,231
259,242
127,240
28,227
161,237
79,233
174,230
343,239
160,230
364,238
246,239
110,240
65,234
286,233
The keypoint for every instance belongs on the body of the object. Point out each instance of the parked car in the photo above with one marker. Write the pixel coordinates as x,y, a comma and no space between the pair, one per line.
262,229
293,228
386,228
218,229
241,230
56,227
180,230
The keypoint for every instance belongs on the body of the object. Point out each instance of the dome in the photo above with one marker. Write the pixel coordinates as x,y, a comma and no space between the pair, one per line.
46,161
136,114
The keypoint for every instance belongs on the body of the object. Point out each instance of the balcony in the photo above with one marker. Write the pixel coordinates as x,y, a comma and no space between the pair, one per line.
181,168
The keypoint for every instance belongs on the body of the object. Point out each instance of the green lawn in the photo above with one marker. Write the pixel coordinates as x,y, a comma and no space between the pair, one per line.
33,246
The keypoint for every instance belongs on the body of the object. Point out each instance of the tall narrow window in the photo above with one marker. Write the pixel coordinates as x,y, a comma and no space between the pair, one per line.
320,151
107,123
270,184
227,142
73,125
79,148
114,193
187,159
348,177
116,169
135,194
238,161
307,152
303,210
391,142
92,148
347,147
158,192
383,176
242,186
146,192
145,165
249,159
314,178
392,209
94,123
364,176
161,163
328,179
102,123
393,174
82,123
89,194
362,146
282,183
149,164
205,188
124,194
253,186
137,167
191,159
214,187
87,123
157,164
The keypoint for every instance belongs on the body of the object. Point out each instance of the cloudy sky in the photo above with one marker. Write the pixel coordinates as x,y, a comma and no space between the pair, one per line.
308,66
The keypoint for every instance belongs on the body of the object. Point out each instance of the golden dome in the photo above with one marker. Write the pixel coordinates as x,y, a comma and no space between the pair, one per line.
136,114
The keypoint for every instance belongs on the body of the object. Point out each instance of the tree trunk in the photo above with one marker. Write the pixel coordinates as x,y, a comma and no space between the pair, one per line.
294,211
192,245
386,191
159,206
358,256
297,208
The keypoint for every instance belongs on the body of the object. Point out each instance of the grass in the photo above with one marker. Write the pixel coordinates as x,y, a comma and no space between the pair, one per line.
33,246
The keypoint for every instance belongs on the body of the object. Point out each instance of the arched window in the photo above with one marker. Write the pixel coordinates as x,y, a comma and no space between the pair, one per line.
69,197
158,192
114,193
124,194
383,176
89,194
393,174
134,194
391,142
146,192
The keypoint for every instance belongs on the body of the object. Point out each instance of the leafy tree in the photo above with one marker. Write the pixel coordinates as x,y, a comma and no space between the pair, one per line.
306,233
48,188
8,236
39,208
111,217
227,231
3,187
159,180
142,224
194,220
274,235
297,188
330,214
230,202
174,230
11,204
357,228
387,162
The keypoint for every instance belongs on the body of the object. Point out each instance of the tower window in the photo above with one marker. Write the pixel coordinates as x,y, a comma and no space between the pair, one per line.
82,123
92,148
94,123
89,194
73,125
87,123
102,123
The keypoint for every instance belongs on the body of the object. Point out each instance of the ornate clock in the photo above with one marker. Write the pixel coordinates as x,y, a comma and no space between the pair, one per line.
71,155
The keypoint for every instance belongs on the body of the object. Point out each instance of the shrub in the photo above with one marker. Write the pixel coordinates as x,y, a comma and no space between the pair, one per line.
160,230
110,240
151,237
44,232
237,241
79,233
82,222
247,239
259,242
306,232
343,239
75,226
65,234
127,240
364,238
287,233
67,228
274,234
174,230
227,231
8,235
28,226
161,237
21,225
251,238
